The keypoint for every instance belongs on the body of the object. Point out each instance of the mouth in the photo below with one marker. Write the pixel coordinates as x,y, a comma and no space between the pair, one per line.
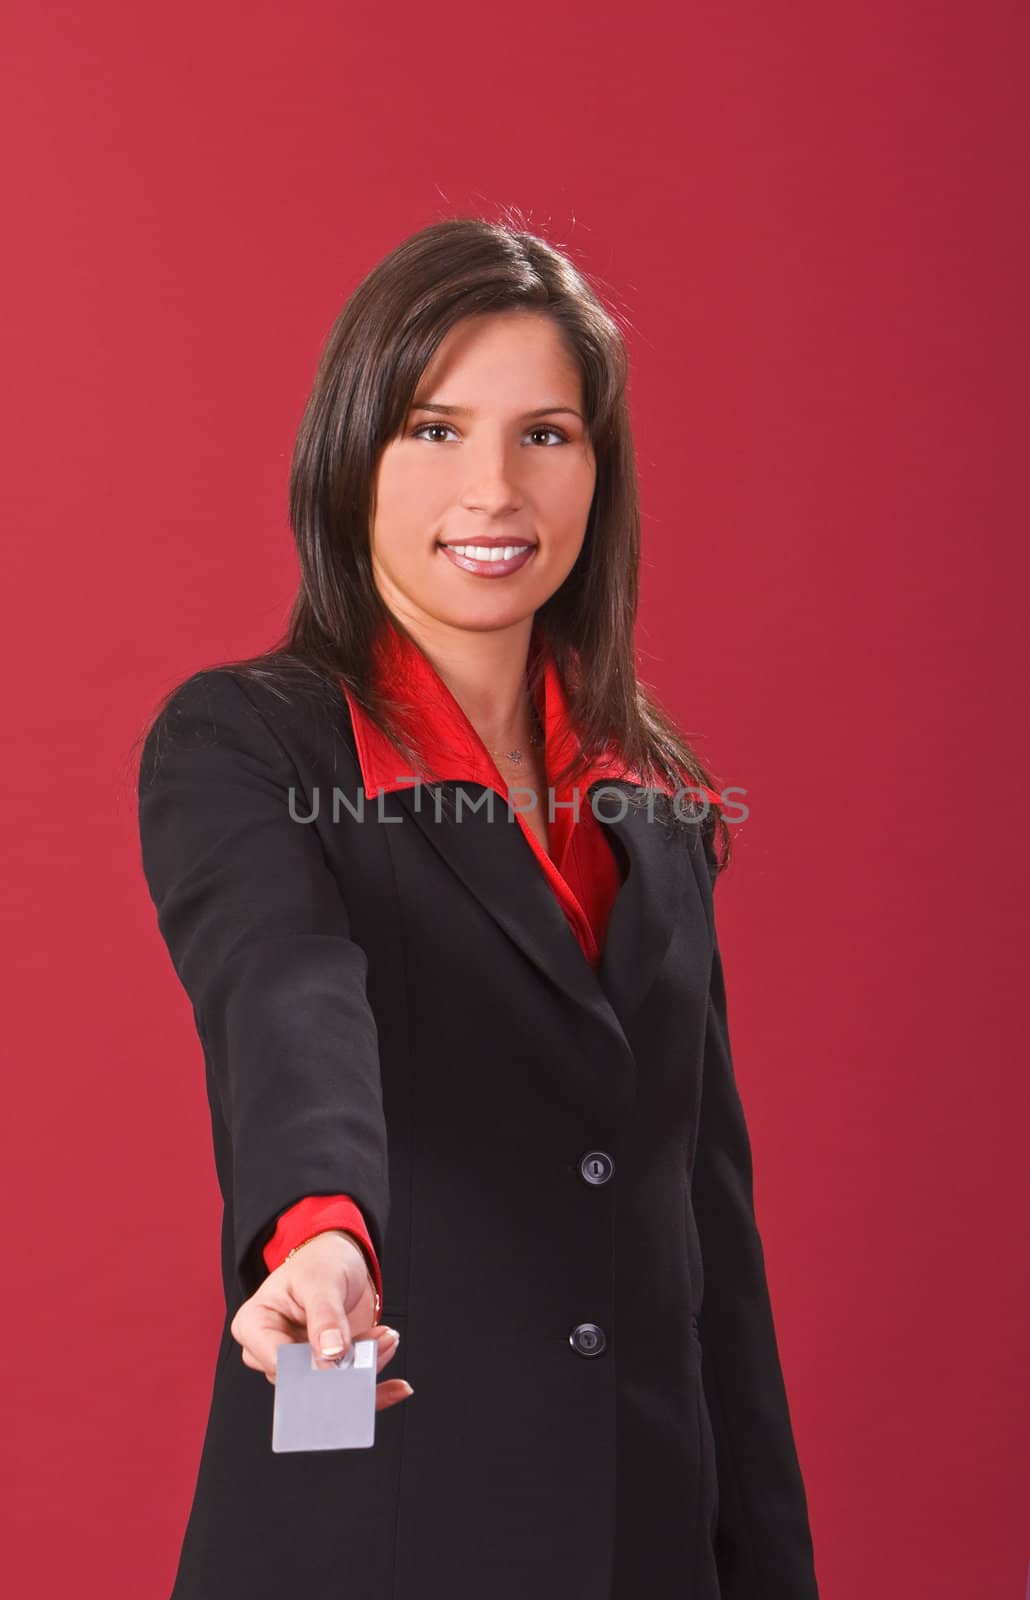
492,559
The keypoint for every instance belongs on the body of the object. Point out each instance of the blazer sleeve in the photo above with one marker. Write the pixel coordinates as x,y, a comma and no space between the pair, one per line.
259,935
763,1542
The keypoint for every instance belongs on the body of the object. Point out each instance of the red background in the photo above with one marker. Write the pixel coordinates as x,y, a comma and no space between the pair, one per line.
812,219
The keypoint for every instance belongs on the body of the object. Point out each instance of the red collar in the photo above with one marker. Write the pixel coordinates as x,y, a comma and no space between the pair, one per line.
456,751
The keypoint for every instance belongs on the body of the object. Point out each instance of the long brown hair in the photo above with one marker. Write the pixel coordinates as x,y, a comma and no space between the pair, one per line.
370,366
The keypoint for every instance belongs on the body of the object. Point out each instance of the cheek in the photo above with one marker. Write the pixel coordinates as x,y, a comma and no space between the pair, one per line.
565,514
565,550
397,492
578,489
405,516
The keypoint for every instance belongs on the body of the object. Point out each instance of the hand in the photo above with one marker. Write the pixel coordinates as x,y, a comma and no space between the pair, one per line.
322,1295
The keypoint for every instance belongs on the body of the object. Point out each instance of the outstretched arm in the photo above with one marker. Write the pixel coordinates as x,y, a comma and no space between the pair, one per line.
259,935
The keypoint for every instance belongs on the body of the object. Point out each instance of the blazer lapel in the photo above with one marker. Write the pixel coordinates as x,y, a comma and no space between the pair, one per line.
495,862
650,899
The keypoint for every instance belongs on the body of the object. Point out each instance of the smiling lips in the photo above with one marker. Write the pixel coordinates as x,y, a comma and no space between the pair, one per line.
491,560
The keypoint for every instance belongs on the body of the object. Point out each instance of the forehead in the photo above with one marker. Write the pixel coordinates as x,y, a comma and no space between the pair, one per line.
516,349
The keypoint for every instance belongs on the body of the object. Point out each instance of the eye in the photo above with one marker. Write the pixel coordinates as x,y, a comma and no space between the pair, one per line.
417,433
421,431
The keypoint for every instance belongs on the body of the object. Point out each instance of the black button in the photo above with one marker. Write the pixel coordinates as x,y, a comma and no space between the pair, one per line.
596,1166
587,1339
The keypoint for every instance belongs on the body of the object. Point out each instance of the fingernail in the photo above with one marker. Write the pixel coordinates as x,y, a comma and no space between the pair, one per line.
331,1342
409,1388
391,1333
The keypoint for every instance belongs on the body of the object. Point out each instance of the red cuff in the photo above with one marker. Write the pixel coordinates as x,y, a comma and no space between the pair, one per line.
317,1214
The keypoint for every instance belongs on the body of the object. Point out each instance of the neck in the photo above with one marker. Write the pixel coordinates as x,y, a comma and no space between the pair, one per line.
485,671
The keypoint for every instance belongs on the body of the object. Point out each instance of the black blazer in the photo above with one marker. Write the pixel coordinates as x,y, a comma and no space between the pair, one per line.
553,1163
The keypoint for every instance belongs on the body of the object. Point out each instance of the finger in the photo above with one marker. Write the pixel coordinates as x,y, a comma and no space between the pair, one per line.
362,1314
260,1328
388,1340
260,1352
391,1392
328,1328
265,1360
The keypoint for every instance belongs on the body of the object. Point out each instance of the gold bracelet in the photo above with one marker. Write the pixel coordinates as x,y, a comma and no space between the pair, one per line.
357,1241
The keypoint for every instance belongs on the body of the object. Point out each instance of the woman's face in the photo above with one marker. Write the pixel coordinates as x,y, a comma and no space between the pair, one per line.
507,465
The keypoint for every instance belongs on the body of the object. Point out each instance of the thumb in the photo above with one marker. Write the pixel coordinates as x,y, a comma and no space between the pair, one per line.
328,1328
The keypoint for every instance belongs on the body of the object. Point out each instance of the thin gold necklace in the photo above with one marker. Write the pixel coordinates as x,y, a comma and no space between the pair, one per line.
534,738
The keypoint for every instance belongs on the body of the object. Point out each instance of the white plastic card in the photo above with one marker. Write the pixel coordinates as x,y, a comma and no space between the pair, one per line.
324,1408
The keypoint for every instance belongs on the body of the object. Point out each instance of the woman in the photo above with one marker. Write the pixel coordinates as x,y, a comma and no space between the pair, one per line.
437,875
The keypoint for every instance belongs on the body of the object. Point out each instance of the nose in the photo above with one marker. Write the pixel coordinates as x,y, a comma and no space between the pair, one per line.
491,480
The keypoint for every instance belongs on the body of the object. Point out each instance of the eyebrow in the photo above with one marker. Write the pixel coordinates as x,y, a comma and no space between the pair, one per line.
465,411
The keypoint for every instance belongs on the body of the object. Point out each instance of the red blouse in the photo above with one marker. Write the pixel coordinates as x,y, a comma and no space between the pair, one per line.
581,868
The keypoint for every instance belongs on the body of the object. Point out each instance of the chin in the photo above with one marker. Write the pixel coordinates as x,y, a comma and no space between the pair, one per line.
485,618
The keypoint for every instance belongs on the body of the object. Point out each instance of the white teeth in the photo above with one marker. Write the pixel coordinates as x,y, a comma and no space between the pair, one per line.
482,552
